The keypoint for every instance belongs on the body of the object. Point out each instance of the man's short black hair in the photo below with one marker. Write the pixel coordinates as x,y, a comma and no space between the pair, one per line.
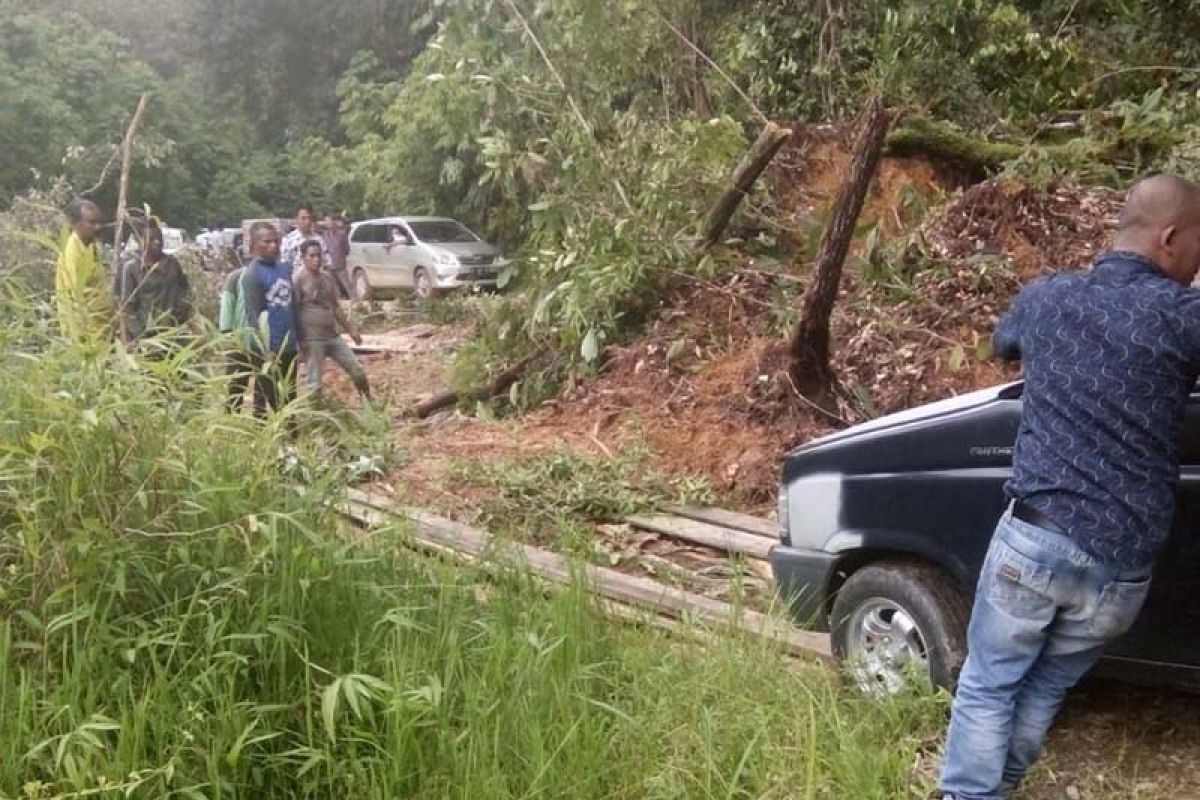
259,226
305,207
310,244
77,206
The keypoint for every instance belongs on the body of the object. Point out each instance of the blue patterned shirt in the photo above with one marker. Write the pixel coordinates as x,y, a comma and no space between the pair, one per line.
1110,357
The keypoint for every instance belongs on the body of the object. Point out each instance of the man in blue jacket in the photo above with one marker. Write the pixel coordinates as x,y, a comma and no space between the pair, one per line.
267,294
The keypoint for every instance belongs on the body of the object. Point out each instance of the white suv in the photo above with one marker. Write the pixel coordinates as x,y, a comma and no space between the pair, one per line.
425,254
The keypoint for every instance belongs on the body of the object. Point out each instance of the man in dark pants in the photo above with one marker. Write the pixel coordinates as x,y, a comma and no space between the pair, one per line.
1110,357
153,294
318,318
337,244
267,294
239,367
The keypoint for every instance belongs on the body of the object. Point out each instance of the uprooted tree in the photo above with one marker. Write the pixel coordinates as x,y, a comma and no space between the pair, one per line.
810,368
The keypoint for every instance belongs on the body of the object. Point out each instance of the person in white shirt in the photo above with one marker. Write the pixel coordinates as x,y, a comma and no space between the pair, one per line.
305,231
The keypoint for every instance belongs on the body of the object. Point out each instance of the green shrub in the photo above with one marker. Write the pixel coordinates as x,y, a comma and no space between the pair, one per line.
176,620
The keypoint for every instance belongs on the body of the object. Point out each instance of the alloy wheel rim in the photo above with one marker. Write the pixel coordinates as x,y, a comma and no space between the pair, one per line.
885,648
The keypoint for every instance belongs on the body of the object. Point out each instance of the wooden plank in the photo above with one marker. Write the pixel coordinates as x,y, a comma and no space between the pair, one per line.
727,519
370,516
443,534
705,533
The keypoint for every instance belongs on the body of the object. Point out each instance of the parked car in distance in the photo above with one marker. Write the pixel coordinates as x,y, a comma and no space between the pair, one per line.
427,255
174,239
884,527
232,238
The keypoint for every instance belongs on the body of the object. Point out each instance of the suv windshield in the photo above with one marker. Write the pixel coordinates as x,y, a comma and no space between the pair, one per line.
442,232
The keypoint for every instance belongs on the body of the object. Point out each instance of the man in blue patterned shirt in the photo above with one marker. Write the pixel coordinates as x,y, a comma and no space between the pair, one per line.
1109,356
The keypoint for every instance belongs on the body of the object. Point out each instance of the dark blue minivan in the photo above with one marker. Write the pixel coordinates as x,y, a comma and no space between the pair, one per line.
884,527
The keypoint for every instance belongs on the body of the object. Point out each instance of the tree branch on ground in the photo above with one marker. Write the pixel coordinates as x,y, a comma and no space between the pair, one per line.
769,142
500,384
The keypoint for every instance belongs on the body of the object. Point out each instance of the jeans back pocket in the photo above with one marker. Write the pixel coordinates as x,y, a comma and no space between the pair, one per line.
1118,607
1017,583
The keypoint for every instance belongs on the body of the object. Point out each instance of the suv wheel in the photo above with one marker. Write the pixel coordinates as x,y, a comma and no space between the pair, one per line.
896,620
423,284
362,286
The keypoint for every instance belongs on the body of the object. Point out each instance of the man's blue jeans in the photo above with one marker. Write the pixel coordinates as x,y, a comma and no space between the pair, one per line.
1044,610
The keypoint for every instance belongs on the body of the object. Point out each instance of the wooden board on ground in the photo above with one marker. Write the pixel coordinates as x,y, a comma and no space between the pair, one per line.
370,516
721,538
444,535
727,519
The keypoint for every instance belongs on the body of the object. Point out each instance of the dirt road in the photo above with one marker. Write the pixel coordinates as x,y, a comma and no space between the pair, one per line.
1113,741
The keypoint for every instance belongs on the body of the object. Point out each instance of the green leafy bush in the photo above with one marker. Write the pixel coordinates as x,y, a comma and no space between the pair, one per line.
177,620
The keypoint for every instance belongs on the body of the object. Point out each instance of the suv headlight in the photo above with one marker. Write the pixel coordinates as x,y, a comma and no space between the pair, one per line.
446,260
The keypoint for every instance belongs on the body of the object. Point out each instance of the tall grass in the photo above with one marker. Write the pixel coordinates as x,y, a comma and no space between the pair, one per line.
175,621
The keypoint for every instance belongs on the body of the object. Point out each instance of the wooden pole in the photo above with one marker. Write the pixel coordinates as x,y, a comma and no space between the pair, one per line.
122,200
769,142
809,347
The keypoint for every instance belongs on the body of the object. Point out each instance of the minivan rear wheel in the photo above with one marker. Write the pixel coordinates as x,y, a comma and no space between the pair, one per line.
897,621
362,286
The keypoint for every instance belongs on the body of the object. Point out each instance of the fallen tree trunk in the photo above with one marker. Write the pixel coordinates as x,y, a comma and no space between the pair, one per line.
498,385
705,533
727,519
809,348
946,144
760,154
943,143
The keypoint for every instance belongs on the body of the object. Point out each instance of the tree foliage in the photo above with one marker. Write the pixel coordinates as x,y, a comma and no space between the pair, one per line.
237,88
587,137
64,93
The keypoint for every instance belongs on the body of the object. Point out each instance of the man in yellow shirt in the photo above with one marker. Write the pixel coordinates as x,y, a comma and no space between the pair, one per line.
85,307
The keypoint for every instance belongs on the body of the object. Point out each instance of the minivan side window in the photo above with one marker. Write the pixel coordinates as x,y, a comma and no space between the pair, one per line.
370,234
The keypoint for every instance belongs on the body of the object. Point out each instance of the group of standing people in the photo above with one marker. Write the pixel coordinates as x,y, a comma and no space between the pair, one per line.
149,296
280,307
291,287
